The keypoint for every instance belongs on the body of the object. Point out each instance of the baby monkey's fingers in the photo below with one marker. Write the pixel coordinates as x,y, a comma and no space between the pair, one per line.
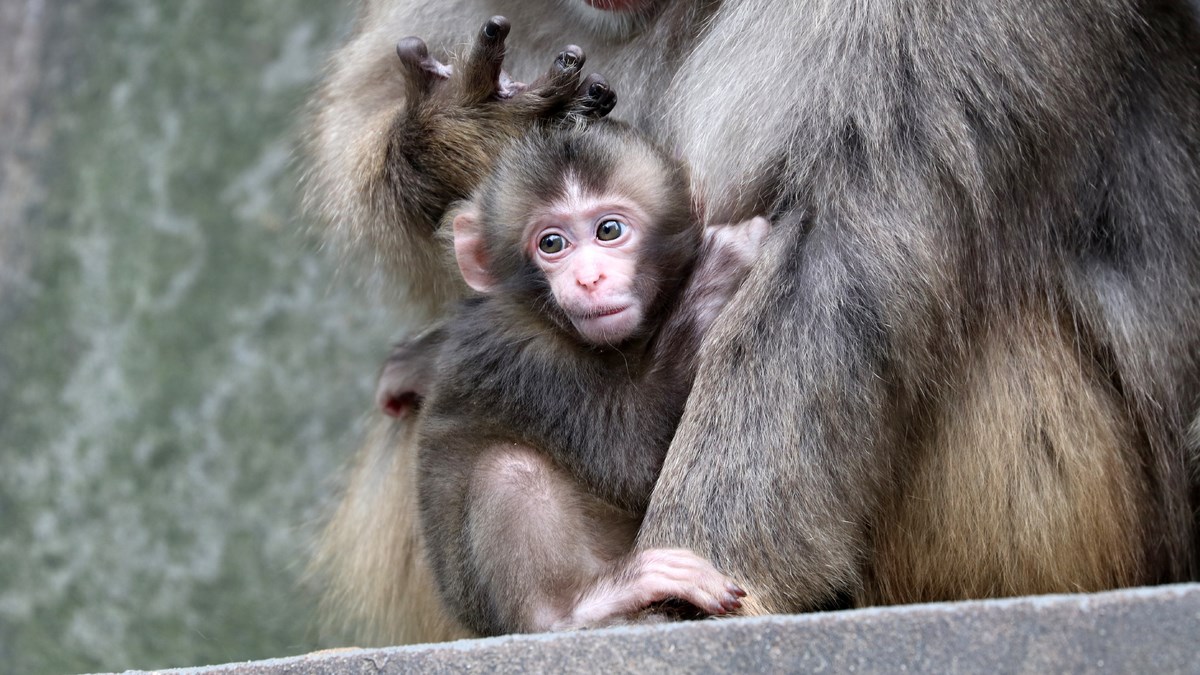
420,69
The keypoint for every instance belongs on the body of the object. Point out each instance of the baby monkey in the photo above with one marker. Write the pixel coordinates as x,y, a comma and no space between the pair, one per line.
558,387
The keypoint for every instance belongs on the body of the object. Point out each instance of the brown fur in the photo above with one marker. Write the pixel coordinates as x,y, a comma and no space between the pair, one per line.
1067,508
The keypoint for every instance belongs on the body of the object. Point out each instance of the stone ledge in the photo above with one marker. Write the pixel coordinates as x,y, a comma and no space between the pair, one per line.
1144,630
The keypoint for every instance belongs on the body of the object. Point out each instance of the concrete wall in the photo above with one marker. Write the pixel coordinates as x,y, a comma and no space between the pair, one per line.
1137,631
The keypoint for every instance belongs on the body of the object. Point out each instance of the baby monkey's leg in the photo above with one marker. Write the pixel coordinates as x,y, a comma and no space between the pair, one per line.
553,557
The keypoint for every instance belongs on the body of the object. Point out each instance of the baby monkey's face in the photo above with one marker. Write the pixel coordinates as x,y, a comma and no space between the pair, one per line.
588,247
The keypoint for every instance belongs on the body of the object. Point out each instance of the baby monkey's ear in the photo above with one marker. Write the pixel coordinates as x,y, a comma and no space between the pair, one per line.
470,252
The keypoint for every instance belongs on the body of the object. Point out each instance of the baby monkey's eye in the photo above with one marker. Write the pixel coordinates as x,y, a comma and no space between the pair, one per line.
552,243
609,230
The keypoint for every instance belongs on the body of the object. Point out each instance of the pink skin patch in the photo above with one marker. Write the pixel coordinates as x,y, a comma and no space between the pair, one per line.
401,405
587,247
654,576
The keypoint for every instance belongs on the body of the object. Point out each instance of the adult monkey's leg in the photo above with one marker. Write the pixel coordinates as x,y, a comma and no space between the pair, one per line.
978,314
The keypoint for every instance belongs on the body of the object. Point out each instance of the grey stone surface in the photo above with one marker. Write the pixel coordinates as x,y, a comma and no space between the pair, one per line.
1149,630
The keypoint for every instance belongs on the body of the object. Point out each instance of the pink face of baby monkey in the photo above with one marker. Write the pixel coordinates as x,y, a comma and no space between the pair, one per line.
588,248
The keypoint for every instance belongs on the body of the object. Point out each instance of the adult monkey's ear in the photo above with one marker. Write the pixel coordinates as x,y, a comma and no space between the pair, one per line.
469,252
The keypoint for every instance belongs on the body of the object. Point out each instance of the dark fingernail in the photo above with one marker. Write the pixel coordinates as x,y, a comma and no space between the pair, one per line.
412,47
596,89
496,27
571,57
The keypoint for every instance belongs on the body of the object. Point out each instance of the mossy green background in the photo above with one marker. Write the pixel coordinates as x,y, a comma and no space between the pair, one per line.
182,372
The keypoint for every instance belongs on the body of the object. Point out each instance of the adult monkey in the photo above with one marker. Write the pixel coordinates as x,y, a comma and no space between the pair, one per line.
967,359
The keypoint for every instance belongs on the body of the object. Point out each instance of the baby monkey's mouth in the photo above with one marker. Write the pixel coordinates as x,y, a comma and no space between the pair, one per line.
604,311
